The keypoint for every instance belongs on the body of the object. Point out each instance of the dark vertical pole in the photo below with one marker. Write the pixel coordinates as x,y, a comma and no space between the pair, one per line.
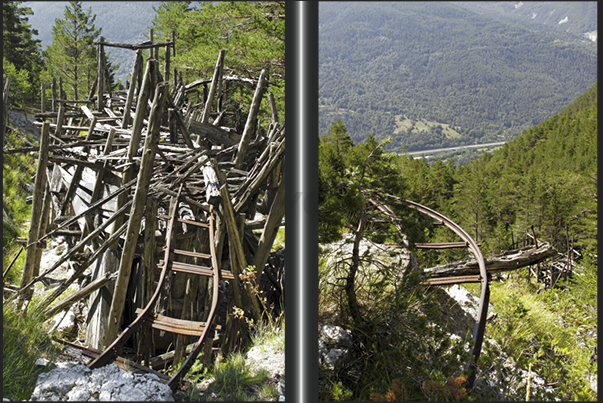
302,200
43,98
54,94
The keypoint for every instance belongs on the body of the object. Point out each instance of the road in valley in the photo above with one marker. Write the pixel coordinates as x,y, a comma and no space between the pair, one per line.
435,150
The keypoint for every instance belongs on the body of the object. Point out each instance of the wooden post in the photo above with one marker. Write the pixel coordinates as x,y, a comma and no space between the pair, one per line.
140,195
43,224
172,126
141,109
100,74
214,85
251,119
146,342
54,94
166,66
5,100
277,211
98,183
43,98
237,254
131,89
273,107
29,267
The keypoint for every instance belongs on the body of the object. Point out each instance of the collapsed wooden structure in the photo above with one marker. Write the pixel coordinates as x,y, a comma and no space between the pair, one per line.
129,177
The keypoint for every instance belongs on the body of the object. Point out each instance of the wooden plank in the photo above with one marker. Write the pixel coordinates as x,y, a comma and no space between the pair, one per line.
84,292
453,280
192,254
442,245
195,269
178,326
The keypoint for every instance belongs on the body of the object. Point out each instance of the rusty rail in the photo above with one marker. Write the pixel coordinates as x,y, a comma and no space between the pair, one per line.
480,325
147,317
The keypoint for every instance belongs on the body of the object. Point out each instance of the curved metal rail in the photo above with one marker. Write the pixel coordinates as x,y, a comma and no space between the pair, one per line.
480,325
146,315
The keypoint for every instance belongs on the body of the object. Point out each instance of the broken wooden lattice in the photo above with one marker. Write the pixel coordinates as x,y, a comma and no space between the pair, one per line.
109,172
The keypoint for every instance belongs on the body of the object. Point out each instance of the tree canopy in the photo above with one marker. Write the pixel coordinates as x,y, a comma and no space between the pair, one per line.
251,33
72,53
21,58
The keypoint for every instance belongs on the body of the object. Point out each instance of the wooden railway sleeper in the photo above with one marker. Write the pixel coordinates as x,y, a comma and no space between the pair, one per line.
178,326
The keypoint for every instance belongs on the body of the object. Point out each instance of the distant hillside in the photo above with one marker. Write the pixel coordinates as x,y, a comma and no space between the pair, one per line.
434,74
576,18
121,21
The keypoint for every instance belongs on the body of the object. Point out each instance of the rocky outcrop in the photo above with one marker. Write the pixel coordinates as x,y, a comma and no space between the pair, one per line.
76,382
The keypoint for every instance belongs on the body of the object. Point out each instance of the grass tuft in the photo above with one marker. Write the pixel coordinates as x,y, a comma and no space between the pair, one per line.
24,341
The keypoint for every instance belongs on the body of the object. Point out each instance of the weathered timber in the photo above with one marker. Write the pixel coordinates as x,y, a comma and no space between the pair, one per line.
31,267
84,292
146,342
100,75
82,267
277,211
140,195
213,133
239,264
212,89
251,119
510,260
131,91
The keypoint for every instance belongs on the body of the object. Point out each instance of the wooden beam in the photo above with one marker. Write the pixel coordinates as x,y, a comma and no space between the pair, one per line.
251,119
277,211
132,89
212,88
84,292
30,269
510,260
140,195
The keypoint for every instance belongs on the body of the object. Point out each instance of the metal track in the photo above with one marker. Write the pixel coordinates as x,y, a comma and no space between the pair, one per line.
147,317
480,325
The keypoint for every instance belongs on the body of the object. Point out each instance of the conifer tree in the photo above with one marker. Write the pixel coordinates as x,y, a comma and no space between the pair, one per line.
21,58
72,53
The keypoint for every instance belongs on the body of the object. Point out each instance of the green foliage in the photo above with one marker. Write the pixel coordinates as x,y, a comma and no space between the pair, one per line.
72,54
553,330
24,340
21,53
17,173
438,62
397,343
545,178
251,33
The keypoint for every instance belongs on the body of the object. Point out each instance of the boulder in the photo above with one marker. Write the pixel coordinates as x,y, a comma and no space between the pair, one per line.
76,382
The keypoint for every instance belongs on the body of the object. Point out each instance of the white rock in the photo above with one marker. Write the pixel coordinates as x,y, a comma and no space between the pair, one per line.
69,382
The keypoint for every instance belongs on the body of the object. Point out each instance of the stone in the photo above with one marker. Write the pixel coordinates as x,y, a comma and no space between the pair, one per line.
334,344
76,382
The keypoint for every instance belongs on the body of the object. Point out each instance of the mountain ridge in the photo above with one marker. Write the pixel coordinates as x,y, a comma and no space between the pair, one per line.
440,62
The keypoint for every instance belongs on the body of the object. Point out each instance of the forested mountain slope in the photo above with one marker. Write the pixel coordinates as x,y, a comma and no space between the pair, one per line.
433,74
576,18
546,177
544,182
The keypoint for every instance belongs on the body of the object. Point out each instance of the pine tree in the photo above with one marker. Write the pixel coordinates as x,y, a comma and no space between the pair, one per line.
21,58
72,53
251,33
